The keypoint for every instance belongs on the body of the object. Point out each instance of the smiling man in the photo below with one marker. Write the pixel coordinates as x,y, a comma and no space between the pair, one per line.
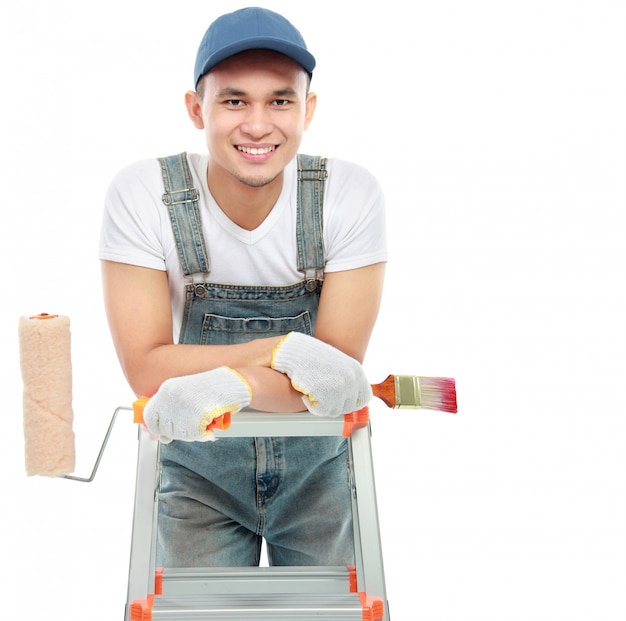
248,276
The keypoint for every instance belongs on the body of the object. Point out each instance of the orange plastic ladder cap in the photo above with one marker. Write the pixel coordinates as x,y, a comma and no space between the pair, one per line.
354,420
138,407
141,609
158,581
221,422
352,578
373,608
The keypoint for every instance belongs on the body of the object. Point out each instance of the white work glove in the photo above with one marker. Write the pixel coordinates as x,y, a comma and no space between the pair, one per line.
184,407
333,383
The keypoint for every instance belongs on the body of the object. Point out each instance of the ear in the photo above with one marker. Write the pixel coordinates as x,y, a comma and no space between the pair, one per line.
193,103
311,103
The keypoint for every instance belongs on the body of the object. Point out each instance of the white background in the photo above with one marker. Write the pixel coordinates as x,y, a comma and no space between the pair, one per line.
498,132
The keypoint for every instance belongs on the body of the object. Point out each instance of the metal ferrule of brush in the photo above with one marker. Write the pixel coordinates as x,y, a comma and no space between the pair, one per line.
408,392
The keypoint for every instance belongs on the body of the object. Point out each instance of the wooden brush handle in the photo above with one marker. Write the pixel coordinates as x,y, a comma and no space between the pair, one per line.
386,391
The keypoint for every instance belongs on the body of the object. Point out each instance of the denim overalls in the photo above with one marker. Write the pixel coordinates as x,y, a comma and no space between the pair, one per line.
218,500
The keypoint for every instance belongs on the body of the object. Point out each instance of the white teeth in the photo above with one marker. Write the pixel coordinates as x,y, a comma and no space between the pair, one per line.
255,150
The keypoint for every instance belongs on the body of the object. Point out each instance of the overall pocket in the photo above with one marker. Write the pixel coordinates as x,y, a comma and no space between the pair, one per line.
220,330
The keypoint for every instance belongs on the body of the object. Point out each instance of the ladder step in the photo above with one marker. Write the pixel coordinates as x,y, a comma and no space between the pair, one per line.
209,580
260,607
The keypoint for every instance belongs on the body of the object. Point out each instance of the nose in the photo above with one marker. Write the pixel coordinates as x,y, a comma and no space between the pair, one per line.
257,123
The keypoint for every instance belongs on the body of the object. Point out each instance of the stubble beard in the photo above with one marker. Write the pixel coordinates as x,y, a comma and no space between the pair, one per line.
256,182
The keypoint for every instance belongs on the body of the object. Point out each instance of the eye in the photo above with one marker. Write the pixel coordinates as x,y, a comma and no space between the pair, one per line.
281,102
235,103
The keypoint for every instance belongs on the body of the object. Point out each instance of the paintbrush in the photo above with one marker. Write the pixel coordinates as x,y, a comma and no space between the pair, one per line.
413,392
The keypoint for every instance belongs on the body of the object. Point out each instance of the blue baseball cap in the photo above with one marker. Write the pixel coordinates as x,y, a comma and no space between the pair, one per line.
250,29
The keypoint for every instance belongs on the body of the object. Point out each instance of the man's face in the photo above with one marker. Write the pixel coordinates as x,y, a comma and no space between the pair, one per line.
254,110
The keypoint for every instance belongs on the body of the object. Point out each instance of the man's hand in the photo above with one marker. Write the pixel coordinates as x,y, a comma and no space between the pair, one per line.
333,383
184,407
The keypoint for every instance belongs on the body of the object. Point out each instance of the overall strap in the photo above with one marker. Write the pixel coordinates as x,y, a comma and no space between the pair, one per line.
181,198
312,174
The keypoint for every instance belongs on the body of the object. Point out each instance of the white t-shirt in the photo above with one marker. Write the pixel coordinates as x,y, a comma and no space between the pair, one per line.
136,228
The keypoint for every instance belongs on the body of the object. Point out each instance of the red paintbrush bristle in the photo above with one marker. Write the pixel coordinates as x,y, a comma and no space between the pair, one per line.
438,393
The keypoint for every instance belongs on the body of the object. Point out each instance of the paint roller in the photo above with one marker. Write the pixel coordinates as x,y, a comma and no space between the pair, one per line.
46,366
45,361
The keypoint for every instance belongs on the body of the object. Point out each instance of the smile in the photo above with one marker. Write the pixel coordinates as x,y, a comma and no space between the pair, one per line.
256,150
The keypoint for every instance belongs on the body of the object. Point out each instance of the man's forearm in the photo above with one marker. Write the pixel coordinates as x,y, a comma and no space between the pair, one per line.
271,390
147,370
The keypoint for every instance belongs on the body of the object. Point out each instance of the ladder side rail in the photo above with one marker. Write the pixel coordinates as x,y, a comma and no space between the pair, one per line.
370,566
143,539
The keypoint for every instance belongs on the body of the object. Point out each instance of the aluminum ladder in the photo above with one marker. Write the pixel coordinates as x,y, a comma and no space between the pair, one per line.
354,593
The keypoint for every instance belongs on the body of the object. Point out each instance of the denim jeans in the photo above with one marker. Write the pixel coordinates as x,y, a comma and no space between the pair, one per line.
293,492
218,500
